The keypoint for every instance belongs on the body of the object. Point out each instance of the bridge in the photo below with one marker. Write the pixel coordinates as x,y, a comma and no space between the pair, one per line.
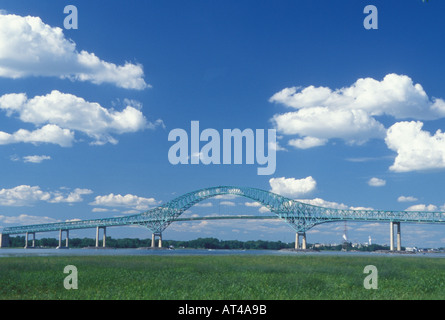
298,215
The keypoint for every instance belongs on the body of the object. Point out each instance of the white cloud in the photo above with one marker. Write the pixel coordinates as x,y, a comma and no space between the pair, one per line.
361,208
128,201
227,203
74,196
323,203
49,133
275,146
416,149
264,210
422,207
291,187
376,182
25,195
396,95
406,199
204,205
307,142
252,204
348,113
35,158
225,197
22,195
323,123
58,110
261,208
29,47
25,219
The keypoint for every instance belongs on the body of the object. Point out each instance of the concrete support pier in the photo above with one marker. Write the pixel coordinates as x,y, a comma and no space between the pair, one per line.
67,243
27,239
103,237
153,240
297,240
391,236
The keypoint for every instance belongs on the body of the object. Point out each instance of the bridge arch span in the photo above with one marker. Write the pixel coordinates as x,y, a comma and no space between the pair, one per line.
296,214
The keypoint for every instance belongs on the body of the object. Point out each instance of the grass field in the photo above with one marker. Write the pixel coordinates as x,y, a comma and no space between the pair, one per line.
222,277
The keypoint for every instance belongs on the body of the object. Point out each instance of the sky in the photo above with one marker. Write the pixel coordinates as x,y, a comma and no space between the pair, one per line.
86,111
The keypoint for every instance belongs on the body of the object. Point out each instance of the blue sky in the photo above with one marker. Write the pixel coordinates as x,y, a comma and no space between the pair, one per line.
85,113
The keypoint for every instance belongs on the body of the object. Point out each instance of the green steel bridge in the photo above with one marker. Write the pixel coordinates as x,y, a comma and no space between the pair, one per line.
298,215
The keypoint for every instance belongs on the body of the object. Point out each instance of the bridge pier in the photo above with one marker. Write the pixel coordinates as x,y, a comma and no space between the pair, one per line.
66,240
153,239
33,239
103,237
297,240
391,235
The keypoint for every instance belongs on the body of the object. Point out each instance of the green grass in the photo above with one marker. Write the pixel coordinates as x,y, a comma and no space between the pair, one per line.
222,277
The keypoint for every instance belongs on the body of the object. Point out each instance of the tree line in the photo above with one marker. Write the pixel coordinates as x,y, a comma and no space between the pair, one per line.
200,243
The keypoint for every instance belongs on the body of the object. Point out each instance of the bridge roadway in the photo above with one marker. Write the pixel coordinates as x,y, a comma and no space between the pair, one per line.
298,215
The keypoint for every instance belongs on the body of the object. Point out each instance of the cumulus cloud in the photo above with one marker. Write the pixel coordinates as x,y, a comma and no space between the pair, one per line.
275,146
74,196
307,142
406,199
225,197
263,209
128,201
422,207
396,95
291,187
319,124
35,158
58,110
25,195
49,133
25,219
255,204
323,203
204,205
376,182
252,204
99,210
29,47
349,113
416,149
22,195
227,203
